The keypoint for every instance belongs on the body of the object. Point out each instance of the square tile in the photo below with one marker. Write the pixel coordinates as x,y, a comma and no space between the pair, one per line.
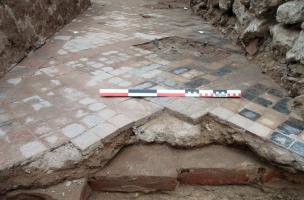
105,131
249,114
260,87
248,95
298,147
54,139
222,71
288,130
32,148
257,108
92,120
107,114
192,74
73,130
281,139
96,107
295,123
222,113
275,92
260,130
271,98
180,70
197,83
253,91
235,105
301,136
272,119
240,121
85,140
263,102
121,121
282,106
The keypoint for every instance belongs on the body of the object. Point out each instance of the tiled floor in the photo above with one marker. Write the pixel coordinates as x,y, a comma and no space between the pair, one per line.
51,98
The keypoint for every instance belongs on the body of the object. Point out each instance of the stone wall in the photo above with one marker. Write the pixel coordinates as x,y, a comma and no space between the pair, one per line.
25,25
265,28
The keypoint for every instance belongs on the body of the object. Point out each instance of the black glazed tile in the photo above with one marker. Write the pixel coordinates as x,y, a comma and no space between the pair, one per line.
281,139
275,92
282,106
254,91
288,130
298,147
222,71
295,123
249,96
250,114
260,87
263,102
197,82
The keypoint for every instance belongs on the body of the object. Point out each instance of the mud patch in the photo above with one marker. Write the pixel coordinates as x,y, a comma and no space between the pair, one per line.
178,48
169,4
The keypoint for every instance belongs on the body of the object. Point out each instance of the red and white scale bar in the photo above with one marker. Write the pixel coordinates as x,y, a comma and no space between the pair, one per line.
170,93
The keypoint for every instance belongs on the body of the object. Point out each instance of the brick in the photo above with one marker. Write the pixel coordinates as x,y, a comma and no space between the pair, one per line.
213,176
271,175
134,170
218,165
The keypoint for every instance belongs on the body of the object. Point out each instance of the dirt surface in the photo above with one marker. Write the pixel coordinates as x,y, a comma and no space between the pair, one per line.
169,4
207,193
177,48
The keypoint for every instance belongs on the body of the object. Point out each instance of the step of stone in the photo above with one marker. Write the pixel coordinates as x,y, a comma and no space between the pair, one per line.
149,168
138,168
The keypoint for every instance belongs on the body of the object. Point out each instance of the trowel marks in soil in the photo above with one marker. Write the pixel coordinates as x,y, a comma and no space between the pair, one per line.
169,4
177,48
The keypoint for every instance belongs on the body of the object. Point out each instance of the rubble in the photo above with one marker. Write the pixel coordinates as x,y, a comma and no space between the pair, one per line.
296,53
291,12
255,19
282,39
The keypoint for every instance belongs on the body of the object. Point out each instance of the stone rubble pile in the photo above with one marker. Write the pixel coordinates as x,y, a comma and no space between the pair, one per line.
283,19
255,21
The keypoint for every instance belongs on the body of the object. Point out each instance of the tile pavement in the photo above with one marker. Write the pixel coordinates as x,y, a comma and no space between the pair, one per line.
51,97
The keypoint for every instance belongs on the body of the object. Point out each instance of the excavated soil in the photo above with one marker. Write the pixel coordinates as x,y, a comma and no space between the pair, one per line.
207,193
175,48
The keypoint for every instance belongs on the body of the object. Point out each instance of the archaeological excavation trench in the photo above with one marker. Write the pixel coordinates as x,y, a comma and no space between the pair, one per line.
165,157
